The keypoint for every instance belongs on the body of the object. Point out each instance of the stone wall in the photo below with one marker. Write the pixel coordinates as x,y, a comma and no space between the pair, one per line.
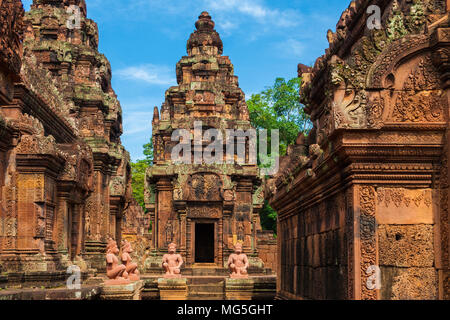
84,77
363,200
267,249
136,230
313,256
64,175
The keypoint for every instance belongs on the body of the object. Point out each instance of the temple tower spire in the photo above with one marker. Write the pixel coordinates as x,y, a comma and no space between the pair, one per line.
180,198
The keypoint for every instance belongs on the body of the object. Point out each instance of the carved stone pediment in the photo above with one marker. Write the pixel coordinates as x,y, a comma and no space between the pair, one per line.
204,187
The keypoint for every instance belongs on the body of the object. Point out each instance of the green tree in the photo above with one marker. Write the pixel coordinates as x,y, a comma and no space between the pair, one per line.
278,107
138,170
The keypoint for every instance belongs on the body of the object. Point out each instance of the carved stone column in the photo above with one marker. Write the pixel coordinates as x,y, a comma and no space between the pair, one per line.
440,41
98,214
164,213
243,213
62,221
180,236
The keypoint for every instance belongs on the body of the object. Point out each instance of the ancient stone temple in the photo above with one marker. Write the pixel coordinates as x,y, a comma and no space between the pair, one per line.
363,200
71,54
204,208
64,175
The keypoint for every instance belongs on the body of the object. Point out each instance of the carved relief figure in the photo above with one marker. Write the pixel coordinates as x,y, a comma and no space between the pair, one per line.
205,187
172,262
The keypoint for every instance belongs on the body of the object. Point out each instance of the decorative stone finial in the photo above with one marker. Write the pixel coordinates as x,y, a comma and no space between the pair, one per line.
205,40
61,4
155,115
204,22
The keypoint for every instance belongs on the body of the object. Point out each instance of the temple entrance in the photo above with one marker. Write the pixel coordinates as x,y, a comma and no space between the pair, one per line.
204,242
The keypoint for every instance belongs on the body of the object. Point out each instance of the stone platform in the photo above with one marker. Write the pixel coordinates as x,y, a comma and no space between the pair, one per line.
172,288
131,291
85,293
209,288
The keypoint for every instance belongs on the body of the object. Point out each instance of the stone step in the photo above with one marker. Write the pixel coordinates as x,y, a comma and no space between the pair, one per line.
206,288
208,272
205,280
206,296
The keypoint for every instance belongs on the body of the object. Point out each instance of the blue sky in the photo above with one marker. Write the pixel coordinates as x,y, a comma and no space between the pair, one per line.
144,39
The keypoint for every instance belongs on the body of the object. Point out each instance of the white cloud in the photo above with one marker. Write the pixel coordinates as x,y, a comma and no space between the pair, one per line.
138,122
227,25
294,46
291,48
257,10
148,73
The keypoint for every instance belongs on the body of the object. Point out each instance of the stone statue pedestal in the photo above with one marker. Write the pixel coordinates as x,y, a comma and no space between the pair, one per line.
239,289
125,291
238,276
173,288
172,276
117,282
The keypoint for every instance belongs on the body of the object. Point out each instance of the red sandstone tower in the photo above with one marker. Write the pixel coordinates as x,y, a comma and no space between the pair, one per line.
66,181
204,208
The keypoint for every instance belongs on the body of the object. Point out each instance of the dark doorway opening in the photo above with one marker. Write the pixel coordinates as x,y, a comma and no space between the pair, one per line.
204,242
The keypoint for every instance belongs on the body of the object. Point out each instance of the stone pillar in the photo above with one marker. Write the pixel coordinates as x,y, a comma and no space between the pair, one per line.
173,289
62,222
130,291
440,41
97,216
77,227
164,213
239,289
180,237
189,242
353,278
243,213
227,230
220,242
115,217
279,255
8,235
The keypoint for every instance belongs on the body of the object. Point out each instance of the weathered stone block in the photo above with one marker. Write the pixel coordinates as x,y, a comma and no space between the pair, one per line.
408,283
239,289
406,206
131,291
406,246
173,289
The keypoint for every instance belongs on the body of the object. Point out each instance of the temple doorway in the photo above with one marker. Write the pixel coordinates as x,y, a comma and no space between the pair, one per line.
204,242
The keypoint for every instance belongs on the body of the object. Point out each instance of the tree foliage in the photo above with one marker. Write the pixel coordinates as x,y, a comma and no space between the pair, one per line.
278,107
138,170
